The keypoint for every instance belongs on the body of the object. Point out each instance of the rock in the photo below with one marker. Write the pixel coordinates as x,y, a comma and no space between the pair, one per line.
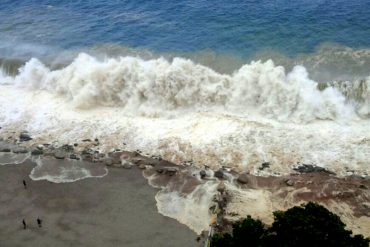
68,148
159,170
243,178
264,166
171,171
37,152
96,139
219,174
86,140
362,186
73,157
87,152
221,187
87,157
137,160
126,164
289,182
142,166
24,137
108,161
75,145
5,150
40,147
20,150
304,168
202,174
112,161
59,154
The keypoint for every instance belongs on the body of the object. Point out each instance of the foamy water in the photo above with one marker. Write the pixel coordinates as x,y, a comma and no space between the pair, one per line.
10,158
186,111
65,171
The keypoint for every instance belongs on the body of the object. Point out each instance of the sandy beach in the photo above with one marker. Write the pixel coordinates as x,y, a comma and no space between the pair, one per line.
116,210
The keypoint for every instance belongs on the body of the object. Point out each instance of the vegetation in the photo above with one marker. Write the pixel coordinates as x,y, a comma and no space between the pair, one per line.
308,225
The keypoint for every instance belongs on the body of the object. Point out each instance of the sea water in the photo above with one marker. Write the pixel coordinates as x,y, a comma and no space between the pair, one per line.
223,84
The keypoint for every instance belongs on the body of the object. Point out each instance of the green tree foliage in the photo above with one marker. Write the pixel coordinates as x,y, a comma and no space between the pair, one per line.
308,225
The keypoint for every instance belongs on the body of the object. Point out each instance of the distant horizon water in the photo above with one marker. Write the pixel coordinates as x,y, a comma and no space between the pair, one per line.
223,36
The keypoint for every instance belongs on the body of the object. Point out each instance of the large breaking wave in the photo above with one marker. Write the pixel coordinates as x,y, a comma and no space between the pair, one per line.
185,111
158,87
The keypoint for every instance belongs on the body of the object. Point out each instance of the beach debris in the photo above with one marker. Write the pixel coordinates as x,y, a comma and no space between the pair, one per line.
24,184
24,224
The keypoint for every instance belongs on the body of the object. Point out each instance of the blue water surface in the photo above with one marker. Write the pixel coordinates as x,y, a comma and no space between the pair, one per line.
236,27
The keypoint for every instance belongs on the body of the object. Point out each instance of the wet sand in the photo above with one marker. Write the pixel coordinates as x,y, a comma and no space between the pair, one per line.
116,210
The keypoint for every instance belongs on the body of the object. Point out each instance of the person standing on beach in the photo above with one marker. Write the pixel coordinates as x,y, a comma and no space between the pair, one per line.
24,184
39,222
24,224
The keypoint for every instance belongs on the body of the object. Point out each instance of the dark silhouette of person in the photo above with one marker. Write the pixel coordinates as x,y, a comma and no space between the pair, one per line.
24,224
39,222
24,184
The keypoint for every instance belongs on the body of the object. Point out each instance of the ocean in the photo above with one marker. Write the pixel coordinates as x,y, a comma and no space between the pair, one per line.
219,84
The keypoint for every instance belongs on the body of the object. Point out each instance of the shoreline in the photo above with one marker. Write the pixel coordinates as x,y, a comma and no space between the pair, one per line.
225,193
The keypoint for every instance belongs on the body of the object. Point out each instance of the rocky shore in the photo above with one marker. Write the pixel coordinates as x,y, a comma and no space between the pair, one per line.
232,195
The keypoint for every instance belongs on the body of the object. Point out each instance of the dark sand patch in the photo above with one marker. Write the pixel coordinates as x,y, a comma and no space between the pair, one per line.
116,210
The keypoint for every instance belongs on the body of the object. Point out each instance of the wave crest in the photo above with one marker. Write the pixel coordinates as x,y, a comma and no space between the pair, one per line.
158,87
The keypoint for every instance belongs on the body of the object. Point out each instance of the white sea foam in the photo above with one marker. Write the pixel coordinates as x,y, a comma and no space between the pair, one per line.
65,171
10,158
186,111
189,209
156,87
